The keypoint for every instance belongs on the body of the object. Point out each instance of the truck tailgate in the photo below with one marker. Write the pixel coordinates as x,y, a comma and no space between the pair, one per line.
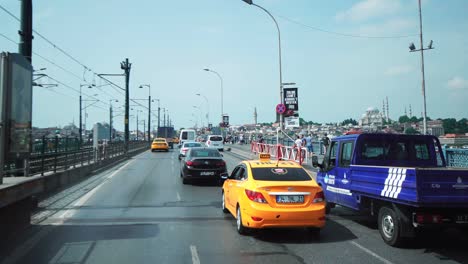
447,187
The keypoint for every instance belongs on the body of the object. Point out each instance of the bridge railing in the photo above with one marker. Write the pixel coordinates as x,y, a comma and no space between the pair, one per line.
456,157
63,158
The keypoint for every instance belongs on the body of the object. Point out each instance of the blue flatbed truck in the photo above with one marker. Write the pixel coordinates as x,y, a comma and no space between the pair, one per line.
401,180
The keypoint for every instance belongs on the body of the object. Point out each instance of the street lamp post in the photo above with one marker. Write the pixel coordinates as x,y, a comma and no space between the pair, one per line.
422,49
159,113
149,108
81,110
250,2
221,80
199,109
110,118
207,109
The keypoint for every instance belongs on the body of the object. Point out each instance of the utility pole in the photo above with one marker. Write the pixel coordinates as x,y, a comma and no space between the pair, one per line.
26,37
110,123
137,126
81,120
126,66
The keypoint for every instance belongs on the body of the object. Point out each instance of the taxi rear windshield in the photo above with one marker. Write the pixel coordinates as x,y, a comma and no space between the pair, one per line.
216,138
280,174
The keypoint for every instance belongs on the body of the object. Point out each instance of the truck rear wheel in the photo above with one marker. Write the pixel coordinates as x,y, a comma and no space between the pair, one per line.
389,226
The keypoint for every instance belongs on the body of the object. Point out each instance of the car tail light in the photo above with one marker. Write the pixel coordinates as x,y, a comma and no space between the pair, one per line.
428,218
255,218
319,197
190,163
184,150
255,196
208,142
221,164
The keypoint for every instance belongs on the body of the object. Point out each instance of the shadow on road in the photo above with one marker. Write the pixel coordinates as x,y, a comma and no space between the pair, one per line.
332,232
80,239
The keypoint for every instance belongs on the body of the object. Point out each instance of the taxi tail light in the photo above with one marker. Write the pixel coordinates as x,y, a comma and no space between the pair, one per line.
319,197
255,218
255,196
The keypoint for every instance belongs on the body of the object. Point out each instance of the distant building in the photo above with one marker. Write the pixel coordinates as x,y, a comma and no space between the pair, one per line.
101,131
372,119
453,139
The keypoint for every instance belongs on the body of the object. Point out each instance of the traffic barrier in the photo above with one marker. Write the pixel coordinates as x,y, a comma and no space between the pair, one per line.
281,152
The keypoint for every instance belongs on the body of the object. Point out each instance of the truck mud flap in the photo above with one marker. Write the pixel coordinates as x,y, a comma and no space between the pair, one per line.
404,215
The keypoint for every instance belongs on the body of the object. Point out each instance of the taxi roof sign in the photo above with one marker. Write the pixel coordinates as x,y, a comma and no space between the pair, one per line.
265,156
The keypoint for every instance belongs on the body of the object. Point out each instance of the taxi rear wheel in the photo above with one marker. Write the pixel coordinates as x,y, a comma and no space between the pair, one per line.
225,210
241,229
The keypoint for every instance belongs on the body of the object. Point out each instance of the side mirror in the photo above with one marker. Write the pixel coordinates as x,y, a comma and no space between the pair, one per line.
224,176
315,162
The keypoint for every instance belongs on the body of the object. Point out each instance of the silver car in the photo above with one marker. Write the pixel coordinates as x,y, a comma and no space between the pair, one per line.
186,146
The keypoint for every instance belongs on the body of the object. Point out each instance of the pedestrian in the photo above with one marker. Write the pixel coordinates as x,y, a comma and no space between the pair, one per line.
325,142
309,146
298,142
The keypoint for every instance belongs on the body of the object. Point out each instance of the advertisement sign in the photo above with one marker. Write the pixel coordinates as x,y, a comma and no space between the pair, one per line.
225,120
18,108
291,122
291,99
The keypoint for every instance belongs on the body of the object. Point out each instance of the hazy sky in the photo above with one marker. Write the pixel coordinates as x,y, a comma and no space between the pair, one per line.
170,42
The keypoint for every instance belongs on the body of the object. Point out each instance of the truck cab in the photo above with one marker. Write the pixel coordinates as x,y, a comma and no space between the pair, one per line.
401,178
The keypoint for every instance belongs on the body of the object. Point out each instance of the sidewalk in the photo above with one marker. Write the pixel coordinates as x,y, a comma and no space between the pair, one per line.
244,151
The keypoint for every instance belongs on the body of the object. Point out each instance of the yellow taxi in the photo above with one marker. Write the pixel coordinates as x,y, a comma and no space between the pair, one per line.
159,144
267,193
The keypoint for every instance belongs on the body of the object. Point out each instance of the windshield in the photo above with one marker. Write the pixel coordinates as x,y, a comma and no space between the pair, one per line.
192,144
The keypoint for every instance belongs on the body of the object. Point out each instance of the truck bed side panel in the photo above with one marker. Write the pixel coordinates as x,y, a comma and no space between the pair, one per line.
386,183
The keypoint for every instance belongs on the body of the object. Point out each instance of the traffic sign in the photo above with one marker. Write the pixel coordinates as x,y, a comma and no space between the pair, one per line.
280,108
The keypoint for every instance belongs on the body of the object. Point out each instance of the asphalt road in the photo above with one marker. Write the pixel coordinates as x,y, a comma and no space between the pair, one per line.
140,212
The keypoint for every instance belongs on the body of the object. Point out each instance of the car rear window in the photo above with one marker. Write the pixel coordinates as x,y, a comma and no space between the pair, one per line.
216,138
192,145
160,140
280,174
204,153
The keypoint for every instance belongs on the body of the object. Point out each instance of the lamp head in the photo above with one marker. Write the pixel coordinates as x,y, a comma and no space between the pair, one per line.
430,44
248,1
206,69
412,47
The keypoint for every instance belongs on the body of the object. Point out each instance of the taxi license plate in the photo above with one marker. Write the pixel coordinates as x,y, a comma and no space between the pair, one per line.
461,219
290,198
203,173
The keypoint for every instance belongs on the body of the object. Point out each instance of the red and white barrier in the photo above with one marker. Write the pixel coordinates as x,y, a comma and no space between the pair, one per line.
281,152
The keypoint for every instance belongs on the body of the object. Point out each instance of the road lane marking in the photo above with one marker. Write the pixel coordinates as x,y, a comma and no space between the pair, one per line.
370,252
195,258
178,196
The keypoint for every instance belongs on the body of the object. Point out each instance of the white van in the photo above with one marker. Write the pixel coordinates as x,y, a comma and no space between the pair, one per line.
215,141
187,135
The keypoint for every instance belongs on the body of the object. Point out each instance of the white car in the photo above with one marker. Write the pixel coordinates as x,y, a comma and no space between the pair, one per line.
215,141
186,146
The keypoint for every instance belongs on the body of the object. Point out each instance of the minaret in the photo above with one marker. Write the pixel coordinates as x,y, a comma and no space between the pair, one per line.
383,109
410,112
255,115
388,113
405,112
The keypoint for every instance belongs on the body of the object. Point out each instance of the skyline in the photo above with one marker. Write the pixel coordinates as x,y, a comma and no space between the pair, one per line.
169,50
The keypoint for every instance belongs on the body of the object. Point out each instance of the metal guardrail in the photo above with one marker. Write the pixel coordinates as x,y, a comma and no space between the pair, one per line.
317,144
456,157
60,159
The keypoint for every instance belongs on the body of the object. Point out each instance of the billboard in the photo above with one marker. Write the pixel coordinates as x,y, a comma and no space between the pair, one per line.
291,99
17,105
291,122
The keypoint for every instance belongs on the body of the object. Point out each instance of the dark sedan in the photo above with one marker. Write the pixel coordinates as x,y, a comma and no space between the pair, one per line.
202,164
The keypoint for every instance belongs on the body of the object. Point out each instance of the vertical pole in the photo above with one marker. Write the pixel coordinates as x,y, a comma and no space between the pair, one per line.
422,71
159,118
126,67
137,126
26,37
149,117
110,122
81,121
42,155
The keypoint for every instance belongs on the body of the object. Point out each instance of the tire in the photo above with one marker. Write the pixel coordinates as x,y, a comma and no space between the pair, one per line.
185,180
241,229
223,205
328,207
389,226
